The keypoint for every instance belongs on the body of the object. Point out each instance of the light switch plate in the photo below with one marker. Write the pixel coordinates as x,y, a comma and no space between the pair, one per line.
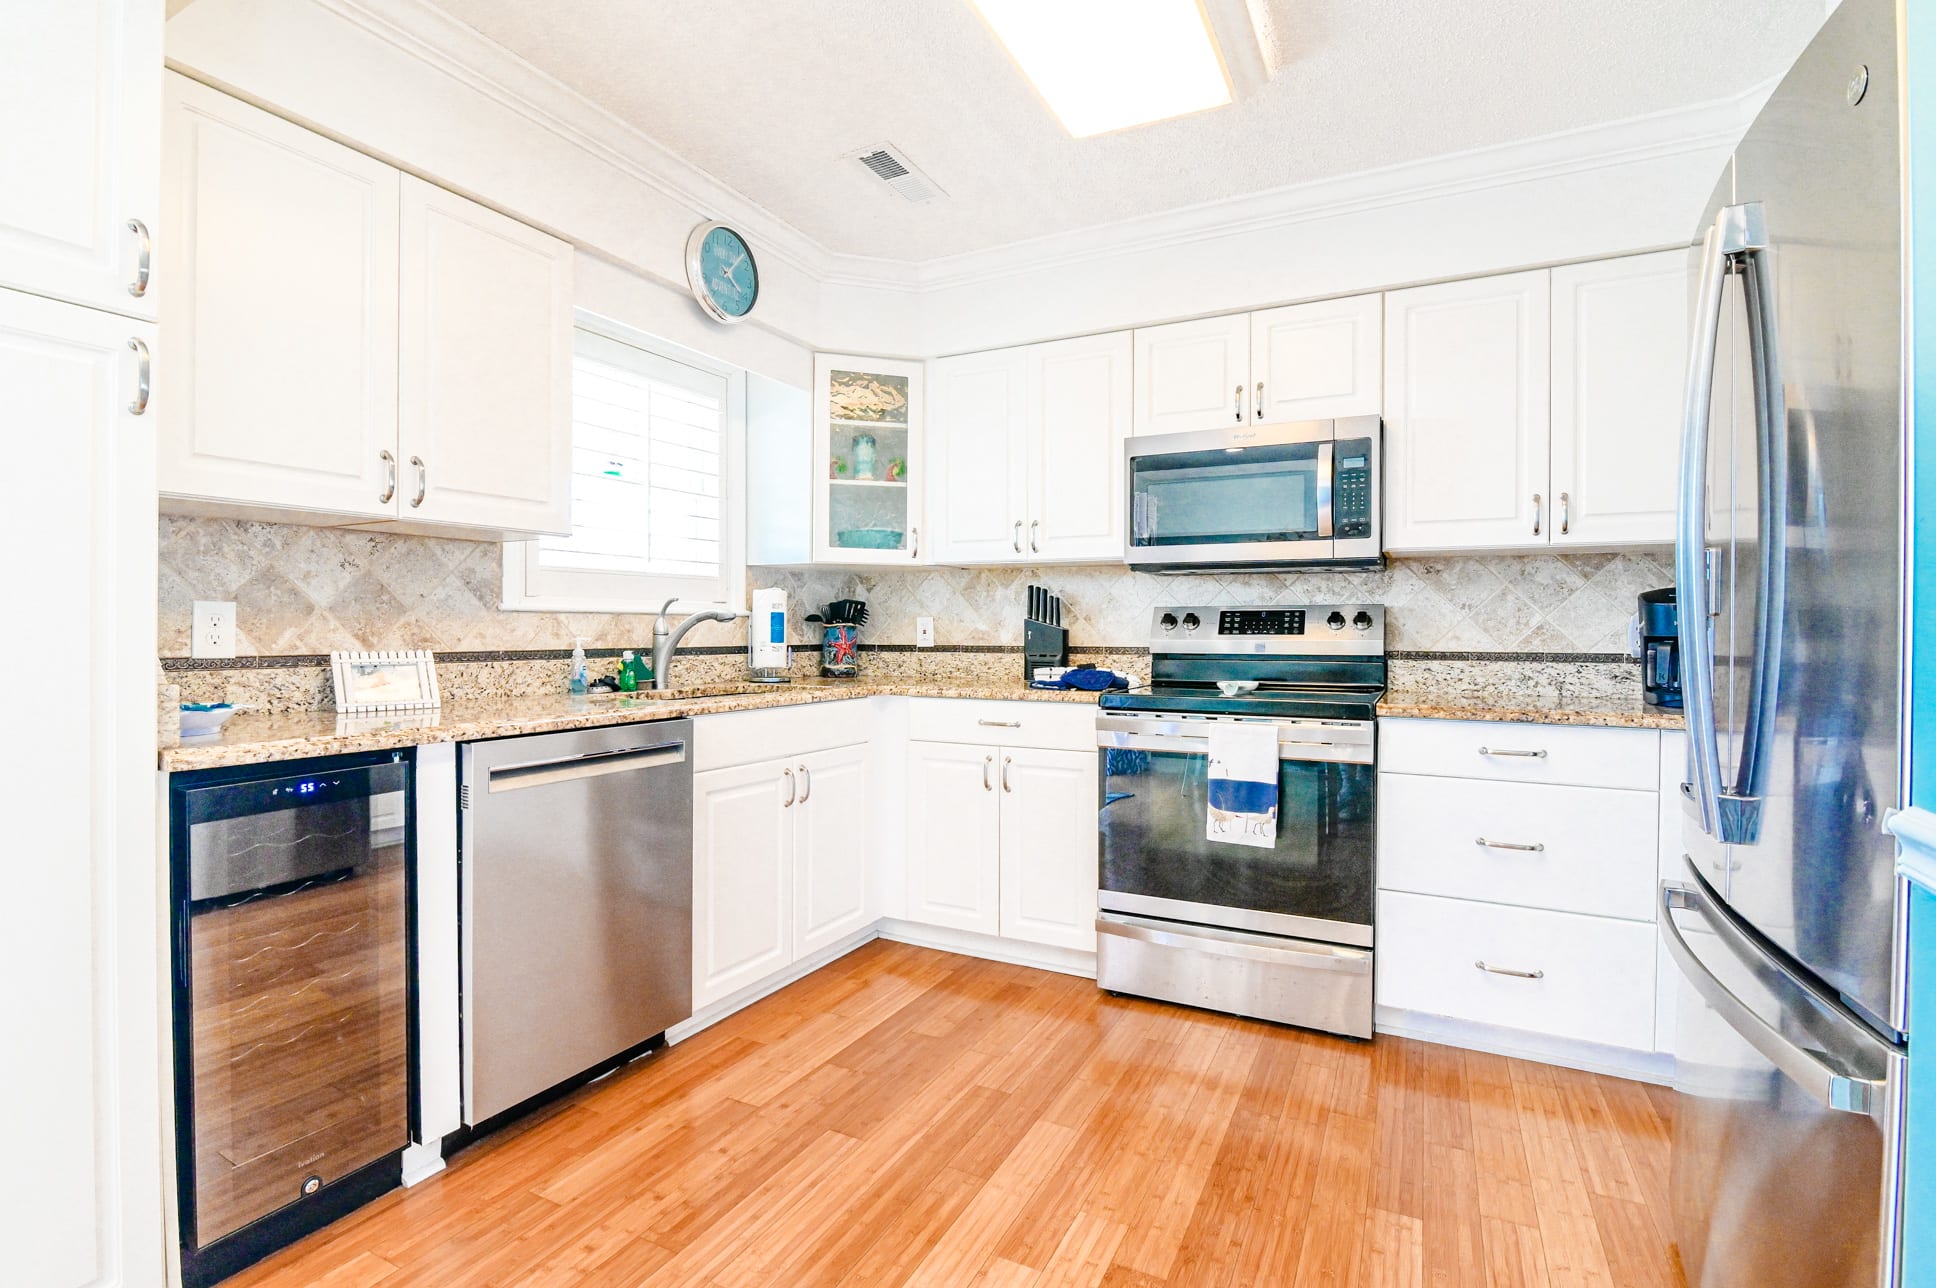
924,632
213,631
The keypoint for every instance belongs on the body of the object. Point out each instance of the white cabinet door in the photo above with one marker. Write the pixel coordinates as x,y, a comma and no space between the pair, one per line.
830,848
485,386
977,492
1467,414
1193,375
1079,394
80,92
1619,363
1318,361
78,942
280,388
954,836
1049,847
742,881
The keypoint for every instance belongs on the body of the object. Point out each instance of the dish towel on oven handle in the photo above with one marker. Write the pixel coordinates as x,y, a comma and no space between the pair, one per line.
1243,784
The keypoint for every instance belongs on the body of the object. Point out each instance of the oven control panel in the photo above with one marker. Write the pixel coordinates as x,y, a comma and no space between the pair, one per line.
1357,628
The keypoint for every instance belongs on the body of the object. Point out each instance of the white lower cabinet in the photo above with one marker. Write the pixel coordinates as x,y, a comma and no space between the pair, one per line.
1517,867
779,866
1002,841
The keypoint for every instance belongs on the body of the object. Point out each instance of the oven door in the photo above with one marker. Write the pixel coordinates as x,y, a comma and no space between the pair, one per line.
1316,882
1236,496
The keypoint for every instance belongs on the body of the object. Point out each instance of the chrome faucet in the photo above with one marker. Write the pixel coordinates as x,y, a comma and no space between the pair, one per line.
665,639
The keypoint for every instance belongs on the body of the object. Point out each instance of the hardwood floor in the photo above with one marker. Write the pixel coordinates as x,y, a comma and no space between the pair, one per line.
908,1116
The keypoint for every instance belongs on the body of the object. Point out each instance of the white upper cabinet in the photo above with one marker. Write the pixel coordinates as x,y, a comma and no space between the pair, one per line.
80,92
978,486
484,383
1078,416
280,388
1317,361
1467,414
1193,375
868,462
1620,330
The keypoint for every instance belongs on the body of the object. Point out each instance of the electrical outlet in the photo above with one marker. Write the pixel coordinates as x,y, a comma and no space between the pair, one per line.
924,632
213,631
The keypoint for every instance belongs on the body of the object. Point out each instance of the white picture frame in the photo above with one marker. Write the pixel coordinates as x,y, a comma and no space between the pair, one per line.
381,682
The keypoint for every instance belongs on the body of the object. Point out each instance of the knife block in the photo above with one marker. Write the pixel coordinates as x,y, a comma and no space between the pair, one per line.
1043,645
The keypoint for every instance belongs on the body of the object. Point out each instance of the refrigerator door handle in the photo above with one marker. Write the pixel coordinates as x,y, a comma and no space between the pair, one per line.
1832,1087
1690,544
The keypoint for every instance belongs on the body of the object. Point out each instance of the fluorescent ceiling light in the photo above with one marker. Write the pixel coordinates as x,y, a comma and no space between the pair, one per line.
1105,65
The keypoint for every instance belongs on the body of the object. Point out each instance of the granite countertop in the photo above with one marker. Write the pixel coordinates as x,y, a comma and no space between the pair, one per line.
256,737
1526,708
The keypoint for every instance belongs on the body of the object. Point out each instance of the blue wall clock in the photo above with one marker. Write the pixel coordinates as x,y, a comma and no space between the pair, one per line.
721,272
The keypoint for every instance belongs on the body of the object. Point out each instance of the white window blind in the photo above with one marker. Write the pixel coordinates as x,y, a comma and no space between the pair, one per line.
647,466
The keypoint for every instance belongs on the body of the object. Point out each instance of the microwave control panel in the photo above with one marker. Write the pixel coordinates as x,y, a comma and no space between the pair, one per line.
1351,488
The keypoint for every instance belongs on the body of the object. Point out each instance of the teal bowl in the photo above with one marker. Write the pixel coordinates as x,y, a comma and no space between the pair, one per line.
869,539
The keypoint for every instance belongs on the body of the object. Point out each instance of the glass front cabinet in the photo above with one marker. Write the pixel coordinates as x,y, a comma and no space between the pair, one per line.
867,460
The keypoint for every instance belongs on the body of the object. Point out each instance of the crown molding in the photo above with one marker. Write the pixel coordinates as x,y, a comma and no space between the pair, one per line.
473,60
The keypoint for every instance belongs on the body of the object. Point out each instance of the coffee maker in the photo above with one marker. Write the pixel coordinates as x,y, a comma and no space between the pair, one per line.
1660,648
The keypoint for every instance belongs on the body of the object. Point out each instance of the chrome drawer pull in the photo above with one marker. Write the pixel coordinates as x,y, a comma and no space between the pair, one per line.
1516,974
1537,847
1502,751
999,724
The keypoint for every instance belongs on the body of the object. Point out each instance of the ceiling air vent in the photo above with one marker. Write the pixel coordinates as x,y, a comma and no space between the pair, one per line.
892,168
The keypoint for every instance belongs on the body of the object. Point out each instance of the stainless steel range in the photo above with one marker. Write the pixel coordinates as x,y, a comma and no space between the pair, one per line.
1279,928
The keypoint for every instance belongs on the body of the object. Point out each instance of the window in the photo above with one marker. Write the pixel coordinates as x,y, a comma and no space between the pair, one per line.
654,507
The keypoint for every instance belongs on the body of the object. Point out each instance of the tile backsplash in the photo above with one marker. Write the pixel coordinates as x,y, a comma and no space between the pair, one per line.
302,590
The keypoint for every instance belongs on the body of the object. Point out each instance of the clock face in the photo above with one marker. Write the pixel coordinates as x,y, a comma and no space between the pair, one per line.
724,278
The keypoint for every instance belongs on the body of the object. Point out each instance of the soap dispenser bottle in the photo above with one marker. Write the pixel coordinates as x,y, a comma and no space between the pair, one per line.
579,682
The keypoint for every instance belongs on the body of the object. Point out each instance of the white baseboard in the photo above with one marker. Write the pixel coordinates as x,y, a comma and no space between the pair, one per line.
421,1162
713,1012
1064,961
1568,1053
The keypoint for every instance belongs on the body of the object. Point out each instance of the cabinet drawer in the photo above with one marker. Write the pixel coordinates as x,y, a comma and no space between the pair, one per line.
1596,975
777,733
1578,755
1049,726
1449,836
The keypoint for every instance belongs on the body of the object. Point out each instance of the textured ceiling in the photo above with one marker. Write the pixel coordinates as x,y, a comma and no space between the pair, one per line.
769,97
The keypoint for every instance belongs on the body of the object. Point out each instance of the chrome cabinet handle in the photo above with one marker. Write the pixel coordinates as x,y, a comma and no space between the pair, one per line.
1537,847
423,482
143,259
1566,514
915,534
806,784
1018,536
987,765
1538,512
1035,547
143,372
1257,408
1239,404
389,477
1504,751
793,790
999,724
1006,762
1505,970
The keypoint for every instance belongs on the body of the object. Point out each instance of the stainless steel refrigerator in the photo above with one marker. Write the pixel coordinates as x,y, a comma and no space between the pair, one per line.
1786,923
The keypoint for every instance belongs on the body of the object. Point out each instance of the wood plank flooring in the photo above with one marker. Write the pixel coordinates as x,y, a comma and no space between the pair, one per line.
912,1117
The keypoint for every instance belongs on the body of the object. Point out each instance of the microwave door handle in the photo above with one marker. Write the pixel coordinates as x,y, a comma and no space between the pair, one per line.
1326,453
1771,449
1690,545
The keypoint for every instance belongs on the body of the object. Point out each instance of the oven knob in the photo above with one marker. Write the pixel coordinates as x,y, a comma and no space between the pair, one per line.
1335,621
1361,619
1191,621
1167,621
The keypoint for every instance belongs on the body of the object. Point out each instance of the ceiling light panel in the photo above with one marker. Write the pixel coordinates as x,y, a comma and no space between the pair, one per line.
1106,65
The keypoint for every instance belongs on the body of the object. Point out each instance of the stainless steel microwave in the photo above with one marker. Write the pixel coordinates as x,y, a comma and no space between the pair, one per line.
1256,496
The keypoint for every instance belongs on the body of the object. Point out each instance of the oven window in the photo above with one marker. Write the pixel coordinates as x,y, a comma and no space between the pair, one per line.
1225,497
1153,811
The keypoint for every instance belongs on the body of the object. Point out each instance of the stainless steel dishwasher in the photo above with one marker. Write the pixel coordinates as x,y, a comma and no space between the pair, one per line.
576,889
